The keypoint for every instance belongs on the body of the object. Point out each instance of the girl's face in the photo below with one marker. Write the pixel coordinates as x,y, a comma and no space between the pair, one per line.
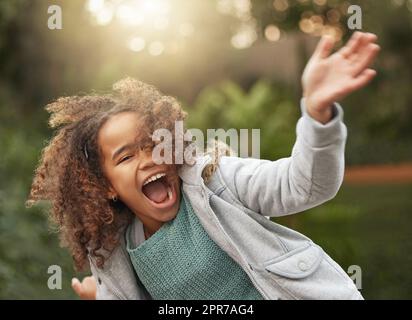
151,191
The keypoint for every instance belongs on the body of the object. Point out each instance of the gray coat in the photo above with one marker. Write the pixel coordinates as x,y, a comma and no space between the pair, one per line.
234,208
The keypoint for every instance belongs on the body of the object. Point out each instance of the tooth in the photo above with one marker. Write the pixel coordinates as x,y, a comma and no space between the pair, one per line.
169,193
154,177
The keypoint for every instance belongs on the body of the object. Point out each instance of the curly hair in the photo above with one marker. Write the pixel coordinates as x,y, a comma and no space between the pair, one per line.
73,180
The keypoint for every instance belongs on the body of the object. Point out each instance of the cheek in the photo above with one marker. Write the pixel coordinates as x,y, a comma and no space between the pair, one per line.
123,181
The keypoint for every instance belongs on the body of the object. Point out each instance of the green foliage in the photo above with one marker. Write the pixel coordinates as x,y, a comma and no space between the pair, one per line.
379,116
265,106
9,10
27,247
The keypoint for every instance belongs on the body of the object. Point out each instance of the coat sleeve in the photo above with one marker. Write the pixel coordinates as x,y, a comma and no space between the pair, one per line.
102,290
103,293
311,176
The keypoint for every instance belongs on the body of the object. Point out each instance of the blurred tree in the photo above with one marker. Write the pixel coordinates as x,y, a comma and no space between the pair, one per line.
265,106
379,116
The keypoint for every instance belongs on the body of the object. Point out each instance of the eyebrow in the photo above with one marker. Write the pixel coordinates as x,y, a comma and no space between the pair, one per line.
122,149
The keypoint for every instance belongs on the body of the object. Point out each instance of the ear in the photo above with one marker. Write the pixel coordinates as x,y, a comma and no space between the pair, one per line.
111,193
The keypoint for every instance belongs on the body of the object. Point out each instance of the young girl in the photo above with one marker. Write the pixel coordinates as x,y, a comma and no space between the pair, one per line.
198,231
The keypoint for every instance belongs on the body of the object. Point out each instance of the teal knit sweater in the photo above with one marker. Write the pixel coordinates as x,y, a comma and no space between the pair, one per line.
180,261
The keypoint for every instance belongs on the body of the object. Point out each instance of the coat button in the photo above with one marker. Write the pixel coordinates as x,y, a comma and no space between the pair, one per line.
303,266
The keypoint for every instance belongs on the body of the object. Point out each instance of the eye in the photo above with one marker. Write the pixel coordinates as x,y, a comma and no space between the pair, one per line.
125,158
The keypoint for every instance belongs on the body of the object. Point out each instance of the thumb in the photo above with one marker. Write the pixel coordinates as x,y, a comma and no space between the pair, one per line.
77,286
324,47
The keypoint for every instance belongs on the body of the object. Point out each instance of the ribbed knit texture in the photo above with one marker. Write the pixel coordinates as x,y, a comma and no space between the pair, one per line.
181,261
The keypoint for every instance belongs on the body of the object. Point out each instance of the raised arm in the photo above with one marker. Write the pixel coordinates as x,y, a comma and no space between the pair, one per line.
314,172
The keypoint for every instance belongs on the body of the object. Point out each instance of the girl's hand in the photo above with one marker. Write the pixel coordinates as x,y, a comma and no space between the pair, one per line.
328,78
86,289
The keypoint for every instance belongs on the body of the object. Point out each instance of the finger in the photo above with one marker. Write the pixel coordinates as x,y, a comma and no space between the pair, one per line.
372,37
363,48
352,45
89,282
363,79
365,58
324,47
77,286
365,40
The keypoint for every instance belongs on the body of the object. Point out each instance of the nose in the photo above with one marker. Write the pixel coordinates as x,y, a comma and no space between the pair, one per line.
146,161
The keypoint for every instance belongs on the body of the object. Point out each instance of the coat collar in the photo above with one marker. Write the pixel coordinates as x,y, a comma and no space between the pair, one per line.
191,174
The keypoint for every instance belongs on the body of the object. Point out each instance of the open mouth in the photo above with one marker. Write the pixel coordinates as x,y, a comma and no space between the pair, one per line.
159,191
